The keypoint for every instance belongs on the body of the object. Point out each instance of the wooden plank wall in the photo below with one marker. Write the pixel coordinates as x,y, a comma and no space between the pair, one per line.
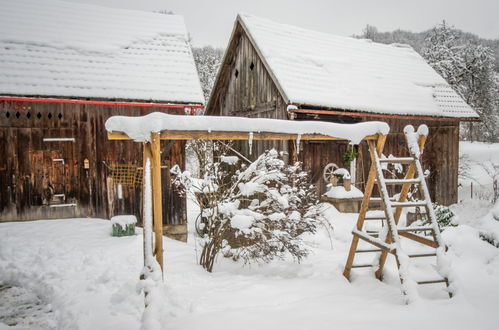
27,167
252,93
441,156
245,89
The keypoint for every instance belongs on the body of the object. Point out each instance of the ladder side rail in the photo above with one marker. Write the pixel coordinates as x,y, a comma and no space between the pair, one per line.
429,206
408,284
381,139
409,175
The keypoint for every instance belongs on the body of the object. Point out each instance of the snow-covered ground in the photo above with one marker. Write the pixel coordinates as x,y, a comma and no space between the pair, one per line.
86,279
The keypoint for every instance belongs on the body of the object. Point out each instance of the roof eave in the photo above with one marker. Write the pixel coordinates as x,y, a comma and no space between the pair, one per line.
332,111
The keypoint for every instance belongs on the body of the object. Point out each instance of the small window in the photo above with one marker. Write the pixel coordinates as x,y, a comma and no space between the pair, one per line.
28,115
49,115
7,114
252,65
18,115
59,116
38,115
236,73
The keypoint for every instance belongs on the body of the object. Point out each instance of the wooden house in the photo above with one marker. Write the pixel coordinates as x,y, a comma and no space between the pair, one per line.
64,69
281,71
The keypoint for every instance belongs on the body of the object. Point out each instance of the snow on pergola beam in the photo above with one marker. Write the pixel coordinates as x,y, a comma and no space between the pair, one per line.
176,127
154,127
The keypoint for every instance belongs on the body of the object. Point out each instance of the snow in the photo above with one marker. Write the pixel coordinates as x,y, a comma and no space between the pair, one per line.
231,160
90,280
123,220
241,222
323,70
340,192
140,128
480,155
412,138
69,49
343,172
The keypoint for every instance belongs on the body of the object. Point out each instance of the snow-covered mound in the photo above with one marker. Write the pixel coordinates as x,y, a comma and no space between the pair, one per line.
90,280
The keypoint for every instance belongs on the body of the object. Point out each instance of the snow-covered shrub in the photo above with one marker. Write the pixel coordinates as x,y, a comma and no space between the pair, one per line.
258,211
444,216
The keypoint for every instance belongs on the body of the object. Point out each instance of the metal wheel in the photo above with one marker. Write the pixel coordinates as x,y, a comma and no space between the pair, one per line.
328,171
200,225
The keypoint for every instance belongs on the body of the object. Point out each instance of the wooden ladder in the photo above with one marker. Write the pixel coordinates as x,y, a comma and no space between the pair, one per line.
387,240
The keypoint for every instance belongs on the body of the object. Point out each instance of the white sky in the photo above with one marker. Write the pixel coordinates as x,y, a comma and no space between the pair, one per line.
210,21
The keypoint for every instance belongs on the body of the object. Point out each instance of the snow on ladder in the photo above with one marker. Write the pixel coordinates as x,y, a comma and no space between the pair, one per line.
387,240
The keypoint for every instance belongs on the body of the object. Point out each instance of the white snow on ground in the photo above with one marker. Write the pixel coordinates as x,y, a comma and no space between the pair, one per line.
480,156
90,279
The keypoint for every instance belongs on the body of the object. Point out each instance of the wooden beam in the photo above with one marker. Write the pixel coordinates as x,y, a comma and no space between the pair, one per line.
156,196
146,155
233,135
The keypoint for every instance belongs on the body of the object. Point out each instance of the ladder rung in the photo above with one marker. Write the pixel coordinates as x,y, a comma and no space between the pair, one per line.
402,181
408,204
379,199
422,228
422,255
368,250
361,265
373,240
400,160
441,280
375,217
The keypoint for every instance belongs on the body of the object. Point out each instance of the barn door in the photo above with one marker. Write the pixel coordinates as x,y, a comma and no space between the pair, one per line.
57,176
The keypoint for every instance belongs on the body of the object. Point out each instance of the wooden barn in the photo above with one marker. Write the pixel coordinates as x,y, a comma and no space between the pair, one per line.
63,72
274,70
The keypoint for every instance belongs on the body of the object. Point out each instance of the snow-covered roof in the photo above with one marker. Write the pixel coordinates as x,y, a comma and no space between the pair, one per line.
318,69
55,48
140,128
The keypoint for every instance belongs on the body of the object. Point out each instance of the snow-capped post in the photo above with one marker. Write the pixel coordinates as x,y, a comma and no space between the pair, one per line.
153,155
146,203
157,200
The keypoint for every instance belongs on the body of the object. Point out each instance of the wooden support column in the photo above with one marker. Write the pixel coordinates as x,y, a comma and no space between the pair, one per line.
146,155
156,196
380,144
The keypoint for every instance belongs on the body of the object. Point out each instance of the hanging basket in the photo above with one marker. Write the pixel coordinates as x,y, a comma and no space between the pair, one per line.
127,175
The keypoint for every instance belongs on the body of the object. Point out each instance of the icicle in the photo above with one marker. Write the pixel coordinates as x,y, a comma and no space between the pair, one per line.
298,140
250,142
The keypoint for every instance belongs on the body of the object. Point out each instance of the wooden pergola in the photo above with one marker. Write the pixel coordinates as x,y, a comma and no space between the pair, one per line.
152,152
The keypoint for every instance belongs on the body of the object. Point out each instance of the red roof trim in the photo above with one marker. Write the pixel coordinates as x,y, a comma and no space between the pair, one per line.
379,115
128,104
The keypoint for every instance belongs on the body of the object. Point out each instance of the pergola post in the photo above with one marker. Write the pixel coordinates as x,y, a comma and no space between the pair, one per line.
146,155
156,196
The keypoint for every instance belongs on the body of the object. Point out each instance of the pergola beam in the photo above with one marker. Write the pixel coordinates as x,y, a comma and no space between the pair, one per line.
233,135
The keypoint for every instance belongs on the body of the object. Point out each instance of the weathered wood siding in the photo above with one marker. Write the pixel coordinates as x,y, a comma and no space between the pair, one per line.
28,169
245,89
441,156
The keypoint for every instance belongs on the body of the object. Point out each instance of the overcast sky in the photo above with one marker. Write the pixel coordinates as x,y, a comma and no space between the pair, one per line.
210,21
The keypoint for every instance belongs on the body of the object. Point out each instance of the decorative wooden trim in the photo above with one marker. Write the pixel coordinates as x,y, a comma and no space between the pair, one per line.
70,101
